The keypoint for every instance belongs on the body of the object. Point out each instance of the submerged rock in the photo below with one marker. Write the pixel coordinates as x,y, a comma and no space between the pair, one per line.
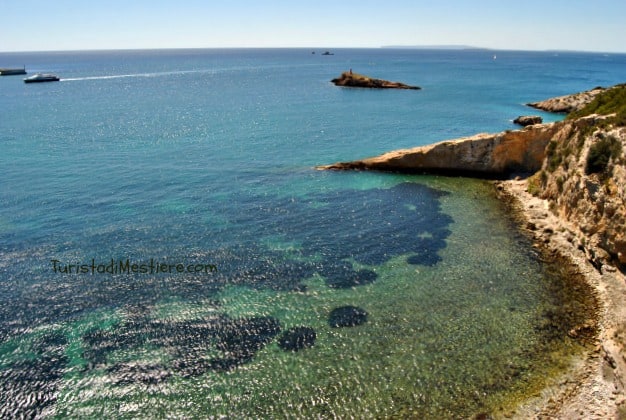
29,388
132,373
297,338
235,341
428,259
240,340
347,316
343,277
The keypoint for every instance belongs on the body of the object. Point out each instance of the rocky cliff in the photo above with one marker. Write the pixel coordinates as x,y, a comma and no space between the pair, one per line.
483,155
583,177
579,166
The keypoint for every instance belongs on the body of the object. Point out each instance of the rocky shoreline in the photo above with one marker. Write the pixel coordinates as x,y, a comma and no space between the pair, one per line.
568,103
574,208
594,386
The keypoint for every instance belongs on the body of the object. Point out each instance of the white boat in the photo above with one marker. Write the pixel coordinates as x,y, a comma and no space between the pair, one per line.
40,77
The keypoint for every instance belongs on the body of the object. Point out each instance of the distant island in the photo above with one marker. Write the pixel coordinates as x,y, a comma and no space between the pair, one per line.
350,79
434,47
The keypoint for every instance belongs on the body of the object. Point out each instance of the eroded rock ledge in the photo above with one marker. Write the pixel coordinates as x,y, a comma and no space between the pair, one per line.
484,155
350,79
579,168
558,154
568,103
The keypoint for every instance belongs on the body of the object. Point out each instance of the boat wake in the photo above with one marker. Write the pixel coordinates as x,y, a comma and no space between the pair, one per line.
123,76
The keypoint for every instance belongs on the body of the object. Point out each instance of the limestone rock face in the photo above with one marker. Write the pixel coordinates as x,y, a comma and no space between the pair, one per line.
594,203
488,155
568,103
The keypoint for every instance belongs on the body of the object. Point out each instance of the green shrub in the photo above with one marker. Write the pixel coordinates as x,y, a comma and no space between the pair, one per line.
553,155
534,184
554,162
600,155
611,101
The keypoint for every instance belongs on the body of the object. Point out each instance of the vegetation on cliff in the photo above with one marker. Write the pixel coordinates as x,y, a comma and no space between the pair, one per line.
610,101
583,176
568,103
601,154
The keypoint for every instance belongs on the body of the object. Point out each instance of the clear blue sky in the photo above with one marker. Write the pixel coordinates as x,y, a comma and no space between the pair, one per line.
37,25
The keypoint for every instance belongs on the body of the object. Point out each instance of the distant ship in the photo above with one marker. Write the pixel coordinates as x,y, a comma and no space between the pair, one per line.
39,77
12,72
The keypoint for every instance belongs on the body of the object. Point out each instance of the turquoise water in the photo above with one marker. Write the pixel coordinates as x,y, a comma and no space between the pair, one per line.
180,160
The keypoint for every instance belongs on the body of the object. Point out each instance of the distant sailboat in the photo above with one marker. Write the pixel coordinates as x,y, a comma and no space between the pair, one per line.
494,57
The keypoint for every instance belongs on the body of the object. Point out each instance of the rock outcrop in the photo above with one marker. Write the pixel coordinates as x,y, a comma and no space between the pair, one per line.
484,155
579,167
527,120
583,178
350,79
568,103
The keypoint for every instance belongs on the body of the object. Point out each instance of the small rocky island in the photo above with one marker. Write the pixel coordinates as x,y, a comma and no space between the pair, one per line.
350,79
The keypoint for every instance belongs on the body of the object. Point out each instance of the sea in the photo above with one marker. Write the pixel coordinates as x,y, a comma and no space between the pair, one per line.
168,248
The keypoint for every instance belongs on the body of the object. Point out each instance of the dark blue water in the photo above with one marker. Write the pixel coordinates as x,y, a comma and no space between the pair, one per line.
197,166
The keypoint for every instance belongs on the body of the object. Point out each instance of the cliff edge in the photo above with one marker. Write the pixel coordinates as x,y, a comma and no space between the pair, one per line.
483,155
576,205
579,167
583,176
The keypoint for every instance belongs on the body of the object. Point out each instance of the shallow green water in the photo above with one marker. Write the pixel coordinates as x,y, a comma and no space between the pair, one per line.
442,341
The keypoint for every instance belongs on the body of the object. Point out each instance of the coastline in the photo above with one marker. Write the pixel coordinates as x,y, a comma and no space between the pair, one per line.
570,204
593,388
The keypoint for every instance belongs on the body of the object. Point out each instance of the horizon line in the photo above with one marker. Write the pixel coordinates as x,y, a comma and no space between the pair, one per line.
442,47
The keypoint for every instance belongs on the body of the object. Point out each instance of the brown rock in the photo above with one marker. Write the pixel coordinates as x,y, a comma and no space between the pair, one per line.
350,79
527,120
484,155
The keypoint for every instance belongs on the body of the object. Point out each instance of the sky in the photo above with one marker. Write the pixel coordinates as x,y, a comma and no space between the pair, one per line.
59,25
